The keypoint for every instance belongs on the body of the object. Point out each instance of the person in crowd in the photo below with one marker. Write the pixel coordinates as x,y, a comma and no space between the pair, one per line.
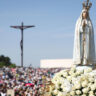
25,81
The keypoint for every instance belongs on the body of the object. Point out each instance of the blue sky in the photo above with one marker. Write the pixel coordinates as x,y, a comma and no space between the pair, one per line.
53,36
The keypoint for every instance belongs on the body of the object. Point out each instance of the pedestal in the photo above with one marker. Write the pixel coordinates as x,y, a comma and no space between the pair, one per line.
84,67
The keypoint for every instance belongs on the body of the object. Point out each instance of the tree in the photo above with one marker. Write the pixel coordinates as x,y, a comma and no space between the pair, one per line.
5,61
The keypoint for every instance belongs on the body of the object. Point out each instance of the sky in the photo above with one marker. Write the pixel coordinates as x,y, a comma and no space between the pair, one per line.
53,36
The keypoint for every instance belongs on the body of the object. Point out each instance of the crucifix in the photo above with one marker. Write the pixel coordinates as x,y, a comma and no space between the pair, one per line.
22,27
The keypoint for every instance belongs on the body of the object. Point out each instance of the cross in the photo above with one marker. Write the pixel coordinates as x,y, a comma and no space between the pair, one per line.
22,27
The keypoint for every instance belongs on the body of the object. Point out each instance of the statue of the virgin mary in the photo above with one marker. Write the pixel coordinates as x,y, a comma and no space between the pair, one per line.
84,46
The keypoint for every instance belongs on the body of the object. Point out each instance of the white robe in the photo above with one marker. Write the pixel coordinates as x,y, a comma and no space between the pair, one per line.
88,55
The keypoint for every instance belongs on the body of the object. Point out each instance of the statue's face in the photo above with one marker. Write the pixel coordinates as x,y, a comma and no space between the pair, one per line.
85,15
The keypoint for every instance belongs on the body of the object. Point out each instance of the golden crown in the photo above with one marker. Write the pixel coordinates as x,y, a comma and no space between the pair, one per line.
87,5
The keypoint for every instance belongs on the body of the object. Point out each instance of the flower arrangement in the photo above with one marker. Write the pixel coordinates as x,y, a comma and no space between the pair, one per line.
74,82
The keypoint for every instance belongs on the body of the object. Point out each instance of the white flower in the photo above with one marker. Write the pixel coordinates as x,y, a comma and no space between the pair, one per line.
88,70
55,92
78,92
72,93
73,68
91,93
84,83
65,74
57,85
60,94
91,79
66,86
71,72
74,82
74,75
78,86
85,90
51,88
69,78
79,72
84,95
93,87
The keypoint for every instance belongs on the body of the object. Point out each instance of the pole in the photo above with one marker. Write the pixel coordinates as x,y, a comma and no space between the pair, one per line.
22,46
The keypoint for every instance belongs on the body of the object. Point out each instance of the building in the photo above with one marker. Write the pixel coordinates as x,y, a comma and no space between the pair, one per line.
56,63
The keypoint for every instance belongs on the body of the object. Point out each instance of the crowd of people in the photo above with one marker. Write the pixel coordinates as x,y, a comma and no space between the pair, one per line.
25,81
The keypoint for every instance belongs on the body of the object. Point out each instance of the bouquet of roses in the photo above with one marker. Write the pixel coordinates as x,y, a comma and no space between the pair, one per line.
74,82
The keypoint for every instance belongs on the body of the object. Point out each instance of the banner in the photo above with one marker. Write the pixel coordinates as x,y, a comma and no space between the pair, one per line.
10,92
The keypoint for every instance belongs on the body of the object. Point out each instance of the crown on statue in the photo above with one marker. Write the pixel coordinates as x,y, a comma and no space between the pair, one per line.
87,5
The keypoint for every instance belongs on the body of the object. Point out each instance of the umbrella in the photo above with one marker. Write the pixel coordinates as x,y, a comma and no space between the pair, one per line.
29,84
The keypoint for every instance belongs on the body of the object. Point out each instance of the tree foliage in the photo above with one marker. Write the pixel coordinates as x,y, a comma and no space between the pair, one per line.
6,61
